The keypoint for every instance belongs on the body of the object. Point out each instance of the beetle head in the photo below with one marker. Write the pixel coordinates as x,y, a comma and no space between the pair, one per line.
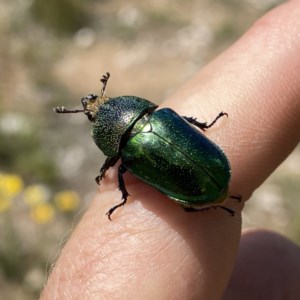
90,103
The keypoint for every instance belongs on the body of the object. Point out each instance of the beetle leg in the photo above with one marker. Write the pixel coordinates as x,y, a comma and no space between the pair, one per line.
191,209
230,211
194,122
220,115
109,162
125,194
203,125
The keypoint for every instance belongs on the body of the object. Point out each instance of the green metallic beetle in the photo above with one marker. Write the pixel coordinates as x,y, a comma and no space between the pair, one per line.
152,142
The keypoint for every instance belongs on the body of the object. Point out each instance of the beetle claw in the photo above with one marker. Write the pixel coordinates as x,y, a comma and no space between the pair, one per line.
111,210
191,209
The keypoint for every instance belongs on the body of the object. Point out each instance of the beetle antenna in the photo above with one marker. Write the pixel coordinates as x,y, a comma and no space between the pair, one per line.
104,80
63,110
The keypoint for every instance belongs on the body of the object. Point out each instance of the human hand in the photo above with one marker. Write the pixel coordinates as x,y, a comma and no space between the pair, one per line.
153,249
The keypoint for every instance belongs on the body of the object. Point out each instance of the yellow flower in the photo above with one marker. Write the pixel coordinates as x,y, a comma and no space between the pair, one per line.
10,185
67,200
42,213
35,194
5,204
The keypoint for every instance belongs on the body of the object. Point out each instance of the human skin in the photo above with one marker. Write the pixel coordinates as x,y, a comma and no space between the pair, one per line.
153,249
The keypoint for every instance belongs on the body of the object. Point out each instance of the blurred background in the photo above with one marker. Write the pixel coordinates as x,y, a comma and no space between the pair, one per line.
54,52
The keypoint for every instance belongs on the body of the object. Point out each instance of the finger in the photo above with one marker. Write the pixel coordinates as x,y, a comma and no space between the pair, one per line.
268,267
152,247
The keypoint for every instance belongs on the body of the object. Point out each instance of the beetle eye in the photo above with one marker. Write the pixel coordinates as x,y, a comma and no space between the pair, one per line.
92,98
